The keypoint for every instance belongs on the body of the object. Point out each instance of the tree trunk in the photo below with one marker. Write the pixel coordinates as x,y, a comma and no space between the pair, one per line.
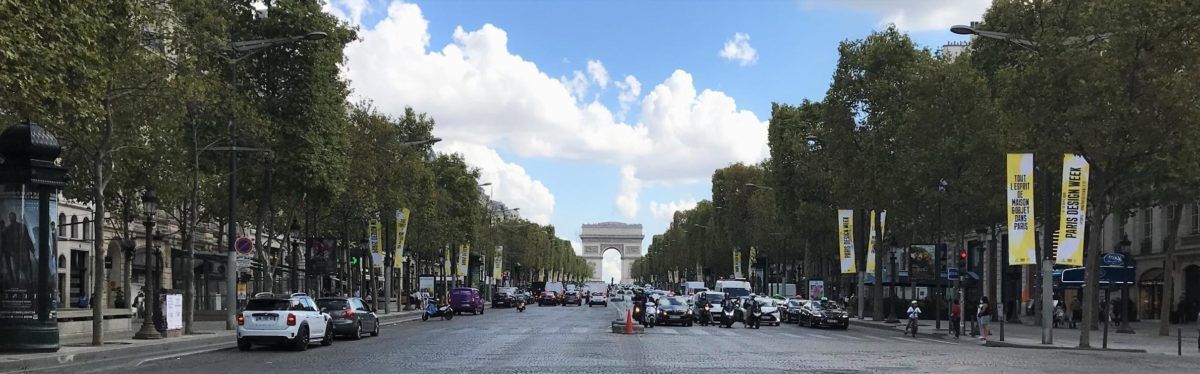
1164,314
1091,275
98,275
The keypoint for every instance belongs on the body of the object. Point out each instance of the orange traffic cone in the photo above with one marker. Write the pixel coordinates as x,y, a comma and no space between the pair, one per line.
628,322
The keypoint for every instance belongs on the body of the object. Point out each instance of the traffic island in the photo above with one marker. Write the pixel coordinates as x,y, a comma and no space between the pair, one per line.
1009,344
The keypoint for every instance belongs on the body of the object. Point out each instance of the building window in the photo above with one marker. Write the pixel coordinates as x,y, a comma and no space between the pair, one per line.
62,220
74,227
87,228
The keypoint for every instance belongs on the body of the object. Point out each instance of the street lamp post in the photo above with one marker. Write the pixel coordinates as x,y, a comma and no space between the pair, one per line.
150,208
237,52
1125,328
891,312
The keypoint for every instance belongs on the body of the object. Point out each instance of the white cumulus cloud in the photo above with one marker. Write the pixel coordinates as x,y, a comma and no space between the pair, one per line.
627,199
510,183
484,95
738,49
917,15
666,211
598,73
350,11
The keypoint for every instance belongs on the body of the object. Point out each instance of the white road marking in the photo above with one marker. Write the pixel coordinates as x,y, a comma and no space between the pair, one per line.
700,331
669,331
851,337
790,335
818,336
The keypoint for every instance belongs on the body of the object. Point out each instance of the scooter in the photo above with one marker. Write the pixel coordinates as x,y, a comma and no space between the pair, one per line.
521,306
648,315
752,318
705,317
432,310
727,318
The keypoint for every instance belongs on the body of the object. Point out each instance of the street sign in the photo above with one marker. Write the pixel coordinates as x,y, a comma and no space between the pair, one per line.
244,246
243,263
952,274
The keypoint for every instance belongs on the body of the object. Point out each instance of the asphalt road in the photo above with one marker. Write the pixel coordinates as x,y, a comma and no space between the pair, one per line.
576,339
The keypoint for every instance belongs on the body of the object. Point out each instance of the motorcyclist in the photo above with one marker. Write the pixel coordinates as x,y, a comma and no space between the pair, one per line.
727,305
751,306
639,304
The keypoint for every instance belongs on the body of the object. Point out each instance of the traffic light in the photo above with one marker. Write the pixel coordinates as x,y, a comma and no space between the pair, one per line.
962,255
353,260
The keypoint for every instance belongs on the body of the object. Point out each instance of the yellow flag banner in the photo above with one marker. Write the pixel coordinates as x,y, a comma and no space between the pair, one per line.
1020,209
401,233
498,264
737,264
1073,219
464,255
846,240
882,223
750,261
446,264
374,232
871,246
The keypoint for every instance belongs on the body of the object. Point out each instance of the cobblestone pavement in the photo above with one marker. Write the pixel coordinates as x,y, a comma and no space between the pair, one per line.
576,339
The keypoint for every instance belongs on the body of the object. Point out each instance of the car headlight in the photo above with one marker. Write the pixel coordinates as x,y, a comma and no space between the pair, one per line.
689,311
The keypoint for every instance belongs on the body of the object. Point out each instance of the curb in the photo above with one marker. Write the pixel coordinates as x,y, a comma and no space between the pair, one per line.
939,336
60,360
994,343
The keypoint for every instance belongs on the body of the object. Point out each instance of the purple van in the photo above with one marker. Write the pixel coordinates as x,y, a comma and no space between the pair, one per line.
466,300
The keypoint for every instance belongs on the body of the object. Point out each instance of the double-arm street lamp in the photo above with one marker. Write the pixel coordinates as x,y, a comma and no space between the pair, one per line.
1047,266
236,52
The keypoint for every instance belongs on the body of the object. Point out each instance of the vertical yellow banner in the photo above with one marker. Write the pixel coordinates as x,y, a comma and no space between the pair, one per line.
449,259
750,261
375,242
498,264
846,240
1020,209
464,256
737,264
871,246
401,233
1073,221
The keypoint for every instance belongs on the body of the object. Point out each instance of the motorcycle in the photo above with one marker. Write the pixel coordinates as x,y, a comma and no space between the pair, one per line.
727,318
432,310
752,318
648,315
705,317
521,306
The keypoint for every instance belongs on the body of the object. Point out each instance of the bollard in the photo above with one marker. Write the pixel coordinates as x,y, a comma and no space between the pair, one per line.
1179,333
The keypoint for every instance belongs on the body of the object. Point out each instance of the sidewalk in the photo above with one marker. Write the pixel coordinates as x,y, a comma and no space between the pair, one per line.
1145,339
77,350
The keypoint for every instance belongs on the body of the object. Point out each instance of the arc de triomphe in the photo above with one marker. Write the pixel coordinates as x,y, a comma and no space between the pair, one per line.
598,238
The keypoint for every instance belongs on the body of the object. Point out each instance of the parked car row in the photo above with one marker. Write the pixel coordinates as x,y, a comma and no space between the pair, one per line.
296,320
711,308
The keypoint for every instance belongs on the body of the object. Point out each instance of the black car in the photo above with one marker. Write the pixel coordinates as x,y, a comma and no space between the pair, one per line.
791,311
351,316
504,299
547,298
674,310
818,313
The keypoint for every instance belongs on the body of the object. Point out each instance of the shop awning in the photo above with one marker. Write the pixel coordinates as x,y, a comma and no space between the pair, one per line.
1110,277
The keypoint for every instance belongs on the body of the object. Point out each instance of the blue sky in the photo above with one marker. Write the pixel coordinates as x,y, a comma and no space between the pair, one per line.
524,100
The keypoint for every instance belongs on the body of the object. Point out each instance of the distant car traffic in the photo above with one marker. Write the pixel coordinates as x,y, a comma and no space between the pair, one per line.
818,313
572,297
674,310
791,311
597,298
293,320
504,299
351,316
547,298
465,299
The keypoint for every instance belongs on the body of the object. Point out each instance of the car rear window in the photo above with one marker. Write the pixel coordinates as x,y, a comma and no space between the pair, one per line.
597,294
462,292
267,304
335,304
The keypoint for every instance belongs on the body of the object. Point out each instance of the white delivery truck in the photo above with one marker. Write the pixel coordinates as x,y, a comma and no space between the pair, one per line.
693,288
735,288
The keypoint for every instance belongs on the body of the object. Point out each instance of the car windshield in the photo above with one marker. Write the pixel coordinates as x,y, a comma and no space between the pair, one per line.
714,298
267,304
737,292
767,302
335,304
671,301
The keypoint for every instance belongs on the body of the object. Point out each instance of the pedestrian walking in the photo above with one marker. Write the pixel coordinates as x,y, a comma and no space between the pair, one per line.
985,316
955,318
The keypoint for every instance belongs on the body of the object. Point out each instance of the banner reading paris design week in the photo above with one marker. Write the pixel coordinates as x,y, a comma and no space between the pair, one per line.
737,264
1074,209
401,233
1020,209
871,246
846,240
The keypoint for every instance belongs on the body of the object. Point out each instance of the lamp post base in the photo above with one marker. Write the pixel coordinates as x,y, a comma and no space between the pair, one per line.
147,332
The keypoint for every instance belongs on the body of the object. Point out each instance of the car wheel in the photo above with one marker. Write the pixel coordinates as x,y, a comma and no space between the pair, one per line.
301,341
328,339
846,326
243,345
375,332
357,331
